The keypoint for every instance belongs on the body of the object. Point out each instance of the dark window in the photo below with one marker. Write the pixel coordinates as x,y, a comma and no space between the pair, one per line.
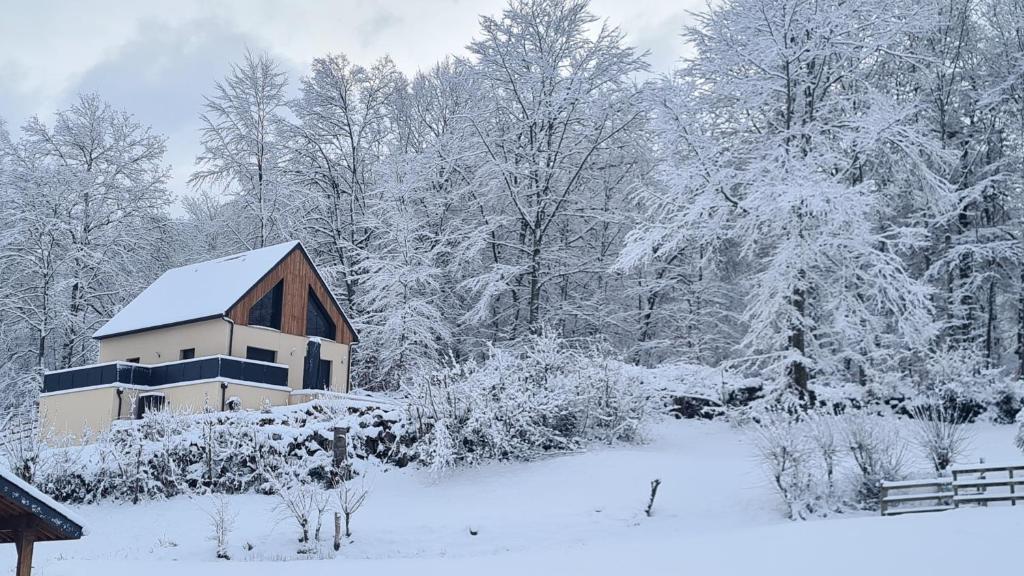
148,403
261,354
267,311
133,360
187,354
318,322
324,375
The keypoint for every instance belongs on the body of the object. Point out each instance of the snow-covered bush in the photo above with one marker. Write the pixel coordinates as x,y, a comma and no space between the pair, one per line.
940,434
19,420
878,451
520,402
963,383
351,497
166,454
1019,439
822,432
784,450
304,504
821,463
1006,403
222,522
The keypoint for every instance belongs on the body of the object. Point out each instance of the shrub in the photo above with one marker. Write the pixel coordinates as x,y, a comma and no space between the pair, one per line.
784,452
304,504
878,451
1007,404
940,434
222,521
823,437
166,454
520,402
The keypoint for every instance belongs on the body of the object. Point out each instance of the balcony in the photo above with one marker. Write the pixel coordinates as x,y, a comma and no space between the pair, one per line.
193,370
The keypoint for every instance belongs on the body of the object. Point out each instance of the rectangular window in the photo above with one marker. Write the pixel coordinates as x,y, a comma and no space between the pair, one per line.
324,375
187,354
133,360
261,354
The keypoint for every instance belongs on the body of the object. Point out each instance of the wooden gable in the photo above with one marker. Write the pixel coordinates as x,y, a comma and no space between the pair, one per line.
300,276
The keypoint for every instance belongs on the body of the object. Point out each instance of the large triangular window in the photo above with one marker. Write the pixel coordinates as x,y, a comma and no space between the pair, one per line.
318,322
267,312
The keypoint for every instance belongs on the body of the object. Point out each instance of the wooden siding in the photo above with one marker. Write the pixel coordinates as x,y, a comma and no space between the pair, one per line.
299,276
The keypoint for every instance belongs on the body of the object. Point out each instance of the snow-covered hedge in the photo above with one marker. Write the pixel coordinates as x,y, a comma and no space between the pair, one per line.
521,402
166,454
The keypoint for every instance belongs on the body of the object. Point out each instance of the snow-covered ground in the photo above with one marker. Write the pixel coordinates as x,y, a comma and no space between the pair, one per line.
576,514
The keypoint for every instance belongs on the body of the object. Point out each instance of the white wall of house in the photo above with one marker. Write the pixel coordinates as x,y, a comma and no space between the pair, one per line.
80,413
208,337
77,414
202,396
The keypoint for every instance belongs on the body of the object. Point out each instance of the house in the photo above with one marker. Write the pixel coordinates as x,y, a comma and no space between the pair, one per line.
28,516
238,332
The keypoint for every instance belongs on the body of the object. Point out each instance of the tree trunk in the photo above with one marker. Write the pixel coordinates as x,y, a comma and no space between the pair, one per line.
1020,326
798,373
990,327
533,317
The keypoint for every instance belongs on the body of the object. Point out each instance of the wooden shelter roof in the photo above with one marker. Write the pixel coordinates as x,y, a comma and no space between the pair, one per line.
24,508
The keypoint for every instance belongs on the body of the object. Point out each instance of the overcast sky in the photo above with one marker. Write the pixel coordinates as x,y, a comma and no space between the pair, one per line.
157,58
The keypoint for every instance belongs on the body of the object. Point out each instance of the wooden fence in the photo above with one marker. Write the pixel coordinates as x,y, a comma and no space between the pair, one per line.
983,484
979,485
936,495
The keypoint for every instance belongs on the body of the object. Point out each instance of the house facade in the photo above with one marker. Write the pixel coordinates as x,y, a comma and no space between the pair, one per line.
239,332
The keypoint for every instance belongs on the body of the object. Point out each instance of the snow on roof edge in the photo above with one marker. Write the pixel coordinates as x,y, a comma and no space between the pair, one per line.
46,500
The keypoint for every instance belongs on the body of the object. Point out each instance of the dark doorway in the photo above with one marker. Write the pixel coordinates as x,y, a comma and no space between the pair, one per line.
148,403
324,376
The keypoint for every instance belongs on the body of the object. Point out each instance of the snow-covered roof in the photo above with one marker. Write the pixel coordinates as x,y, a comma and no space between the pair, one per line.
42,506
204,290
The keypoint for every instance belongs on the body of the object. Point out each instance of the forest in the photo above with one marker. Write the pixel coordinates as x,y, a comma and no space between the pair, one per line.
824,196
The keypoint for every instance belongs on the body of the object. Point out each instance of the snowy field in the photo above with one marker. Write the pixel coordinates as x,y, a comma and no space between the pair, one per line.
571,514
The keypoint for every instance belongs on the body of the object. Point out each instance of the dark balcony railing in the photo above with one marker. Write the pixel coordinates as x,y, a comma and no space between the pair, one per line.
208,368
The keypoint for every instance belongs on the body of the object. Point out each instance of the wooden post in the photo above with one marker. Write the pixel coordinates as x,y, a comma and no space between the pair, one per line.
1012,490
340,446
337,531
956,492
24,541
983,489
341,452
882,493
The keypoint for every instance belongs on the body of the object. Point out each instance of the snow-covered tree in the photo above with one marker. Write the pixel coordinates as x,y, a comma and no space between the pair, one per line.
244,146
345,126
783,145
556,120
86,223
409,296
